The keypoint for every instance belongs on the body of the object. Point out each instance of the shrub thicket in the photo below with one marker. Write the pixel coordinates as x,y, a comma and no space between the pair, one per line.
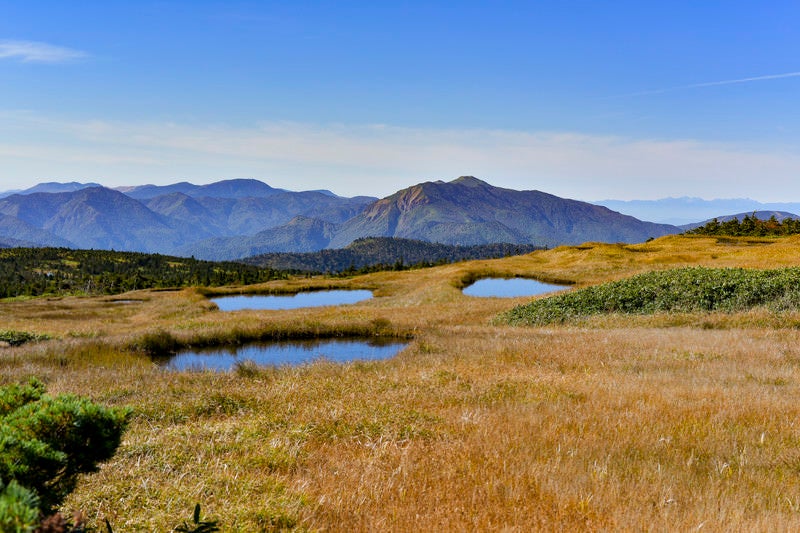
680,290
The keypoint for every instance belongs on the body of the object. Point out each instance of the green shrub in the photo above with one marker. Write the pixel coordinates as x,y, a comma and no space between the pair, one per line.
45,443
19,508
16,338
694,289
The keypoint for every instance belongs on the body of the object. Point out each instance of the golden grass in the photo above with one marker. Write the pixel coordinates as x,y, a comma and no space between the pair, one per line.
668,422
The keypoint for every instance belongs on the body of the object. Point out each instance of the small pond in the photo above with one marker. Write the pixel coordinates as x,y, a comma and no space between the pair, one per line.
284,353
509,288
295,301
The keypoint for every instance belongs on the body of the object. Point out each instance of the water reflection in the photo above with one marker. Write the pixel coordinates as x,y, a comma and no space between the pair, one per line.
284,353
509,288
295,301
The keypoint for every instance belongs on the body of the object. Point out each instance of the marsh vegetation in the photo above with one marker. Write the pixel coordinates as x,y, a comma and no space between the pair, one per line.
674,420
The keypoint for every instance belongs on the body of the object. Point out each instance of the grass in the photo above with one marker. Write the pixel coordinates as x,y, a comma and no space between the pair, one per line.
669,421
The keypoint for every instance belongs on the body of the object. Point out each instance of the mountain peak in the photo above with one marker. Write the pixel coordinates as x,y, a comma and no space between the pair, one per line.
469,181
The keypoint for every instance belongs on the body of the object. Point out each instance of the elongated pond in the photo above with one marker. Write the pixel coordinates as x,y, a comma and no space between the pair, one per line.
295,301
284,353
509,288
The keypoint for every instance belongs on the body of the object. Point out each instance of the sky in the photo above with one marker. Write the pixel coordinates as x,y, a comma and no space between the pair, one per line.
583,99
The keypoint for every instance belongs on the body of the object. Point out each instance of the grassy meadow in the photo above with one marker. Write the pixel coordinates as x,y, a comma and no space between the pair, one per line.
662,421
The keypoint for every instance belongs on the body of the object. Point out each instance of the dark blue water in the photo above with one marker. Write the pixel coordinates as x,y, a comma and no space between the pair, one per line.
295,301
284,353
508,288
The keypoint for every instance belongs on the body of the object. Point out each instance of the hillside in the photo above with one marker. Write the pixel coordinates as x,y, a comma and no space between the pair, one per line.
373,252
96,217
12,229
62,271
301,234
469,211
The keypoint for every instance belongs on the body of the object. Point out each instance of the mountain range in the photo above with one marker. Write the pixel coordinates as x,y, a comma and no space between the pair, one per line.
233,219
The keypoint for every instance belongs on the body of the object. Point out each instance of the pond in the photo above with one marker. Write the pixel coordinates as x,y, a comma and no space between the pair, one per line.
509,288
295,301
284,353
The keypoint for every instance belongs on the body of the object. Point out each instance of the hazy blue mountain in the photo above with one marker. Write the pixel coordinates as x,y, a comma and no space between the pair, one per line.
51,186
15,231
686,210
325,192
226,217
469,211
7,242
97,218
238,218
301,234
235,188
761,215
190,211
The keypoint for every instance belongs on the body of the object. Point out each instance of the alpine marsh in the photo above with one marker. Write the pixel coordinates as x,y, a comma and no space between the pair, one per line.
669,421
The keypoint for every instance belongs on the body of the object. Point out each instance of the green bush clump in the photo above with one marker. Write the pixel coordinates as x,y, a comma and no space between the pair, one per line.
693,289
45,443
16,338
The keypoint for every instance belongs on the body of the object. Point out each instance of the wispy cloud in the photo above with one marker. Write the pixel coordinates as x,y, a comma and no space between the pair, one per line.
712,84
379,159
37,52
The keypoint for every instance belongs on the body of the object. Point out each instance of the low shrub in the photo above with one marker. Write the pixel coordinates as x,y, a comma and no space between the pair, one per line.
46,442
693,289
16,338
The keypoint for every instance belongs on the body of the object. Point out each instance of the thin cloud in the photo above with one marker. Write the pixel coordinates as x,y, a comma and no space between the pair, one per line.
380,159
712,84
36,52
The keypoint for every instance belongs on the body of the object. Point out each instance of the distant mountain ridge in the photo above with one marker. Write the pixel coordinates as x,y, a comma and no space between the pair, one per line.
52,186
232,219
235,188
687,210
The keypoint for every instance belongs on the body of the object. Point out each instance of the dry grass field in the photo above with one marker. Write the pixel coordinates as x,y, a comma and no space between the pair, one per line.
672,422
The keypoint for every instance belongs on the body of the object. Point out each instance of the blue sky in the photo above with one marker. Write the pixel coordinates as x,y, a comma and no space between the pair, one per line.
582,99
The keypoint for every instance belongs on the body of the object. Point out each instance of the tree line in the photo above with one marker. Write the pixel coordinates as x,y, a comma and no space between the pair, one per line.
749,226
63,271
371,254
